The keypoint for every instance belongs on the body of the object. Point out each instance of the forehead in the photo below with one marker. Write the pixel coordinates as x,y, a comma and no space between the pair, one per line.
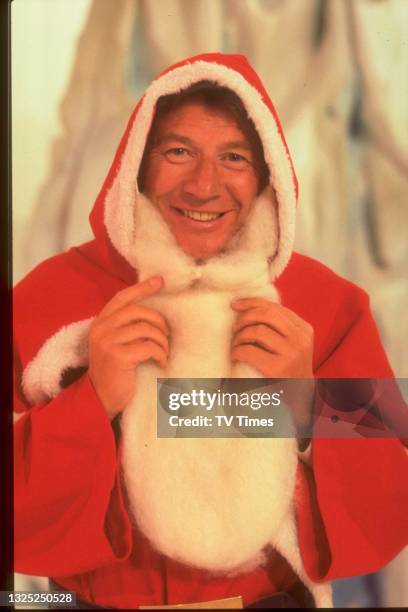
200,120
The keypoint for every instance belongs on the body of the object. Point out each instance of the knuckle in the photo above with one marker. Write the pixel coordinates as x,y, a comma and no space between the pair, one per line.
243,320
309,329
143,328
150,346
260,332
159,325
307,344
160,318
94,327
242,350
94,336
242,333
248,327
115,352
264,311
135,310
255,333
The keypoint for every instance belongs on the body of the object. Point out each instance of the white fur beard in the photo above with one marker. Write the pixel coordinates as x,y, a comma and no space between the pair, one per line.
210,503
214,503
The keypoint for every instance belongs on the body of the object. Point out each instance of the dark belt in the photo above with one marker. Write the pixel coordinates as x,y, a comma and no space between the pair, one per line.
299,597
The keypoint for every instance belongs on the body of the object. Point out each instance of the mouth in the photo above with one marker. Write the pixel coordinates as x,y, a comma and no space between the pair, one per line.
201,217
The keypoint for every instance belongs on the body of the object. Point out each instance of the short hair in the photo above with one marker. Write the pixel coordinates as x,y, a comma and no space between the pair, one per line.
214,97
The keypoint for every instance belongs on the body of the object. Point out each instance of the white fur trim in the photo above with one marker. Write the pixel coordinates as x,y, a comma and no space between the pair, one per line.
287,544
68,348
242,269
212,503
123,195
187,495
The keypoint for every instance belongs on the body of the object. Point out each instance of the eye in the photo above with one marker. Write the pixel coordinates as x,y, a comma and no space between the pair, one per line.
177,155
236,161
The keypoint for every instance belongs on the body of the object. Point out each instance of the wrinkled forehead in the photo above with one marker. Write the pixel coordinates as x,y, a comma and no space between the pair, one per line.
209,122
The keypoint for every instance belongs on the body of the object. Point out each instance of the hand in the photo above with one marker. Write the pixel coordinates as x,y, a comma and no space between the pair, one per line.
279,344
122,336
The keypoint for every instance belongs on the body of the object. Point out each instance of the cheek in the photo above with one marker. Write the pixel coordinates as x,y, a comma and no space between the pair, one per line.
162,178
244,189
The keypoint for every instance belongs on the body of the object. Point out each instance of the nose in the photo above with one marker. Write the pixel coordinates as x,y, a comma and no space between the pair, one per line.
202,184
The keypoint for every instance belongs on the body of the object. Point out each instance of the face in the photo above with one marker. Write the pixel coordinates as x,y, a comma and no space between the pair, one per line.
201,175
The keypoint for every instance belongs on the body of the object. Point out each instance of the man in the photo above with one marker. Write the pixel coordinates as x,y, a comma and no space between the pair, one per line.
192,274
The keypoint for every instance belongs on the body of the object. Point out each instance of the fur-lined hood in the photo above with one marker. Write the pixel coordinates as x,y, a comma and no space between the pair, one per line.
118,218
115,209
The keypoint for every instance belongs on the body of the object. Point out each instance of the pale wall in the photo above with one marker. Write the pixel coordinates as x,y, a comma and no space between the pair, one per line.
41,60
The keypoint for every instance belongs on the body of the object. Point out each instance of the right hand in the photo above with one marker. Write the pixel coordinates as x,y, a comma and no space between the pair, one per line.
122,336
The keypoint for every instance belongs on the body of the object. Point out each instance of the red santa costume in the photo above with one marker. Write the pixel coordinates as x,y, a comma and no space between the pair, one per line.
126,519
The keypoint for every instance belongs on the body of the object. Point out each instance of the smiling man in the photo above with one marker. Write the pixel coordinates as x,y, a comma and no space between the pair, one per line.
203,167
192,274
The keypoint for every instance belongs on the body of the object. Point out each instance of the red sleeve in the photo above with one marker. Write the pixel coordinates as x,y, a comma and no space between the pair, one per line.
353,505
69,514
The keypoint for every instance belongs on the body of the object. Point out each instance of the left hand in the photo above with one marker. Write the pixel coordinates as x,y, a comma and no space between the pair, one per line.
278,343
272,339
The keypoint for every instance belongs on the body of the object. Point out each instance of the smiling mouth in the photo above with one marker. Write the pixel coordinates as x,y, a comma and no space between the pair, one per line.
200,216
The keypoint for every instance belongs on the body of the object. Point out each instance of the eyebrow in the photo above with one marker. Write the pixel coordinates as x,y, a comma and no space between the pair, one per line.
236,144
173,136
231,144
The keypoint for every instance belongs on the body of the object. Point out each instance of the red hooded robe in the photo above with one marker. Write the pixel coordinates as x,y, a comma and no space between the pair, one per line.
71,516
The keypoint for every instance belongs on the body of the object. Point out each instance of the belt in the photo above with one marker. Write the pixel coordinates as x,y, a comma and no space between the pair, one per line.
299,598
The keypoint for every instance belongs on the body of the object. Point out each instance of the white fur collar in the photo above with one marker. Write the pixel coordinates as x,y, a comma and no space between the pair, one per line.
244,264
243,270
212,503
123,197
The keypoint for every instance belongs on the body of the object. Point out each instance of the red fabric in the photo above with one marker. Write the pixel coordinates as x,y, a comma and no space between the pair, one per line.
71,520
70,516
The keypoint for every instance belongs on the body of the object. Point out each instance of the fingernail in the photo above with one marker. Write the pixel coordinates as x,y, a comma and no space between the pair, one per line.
155,282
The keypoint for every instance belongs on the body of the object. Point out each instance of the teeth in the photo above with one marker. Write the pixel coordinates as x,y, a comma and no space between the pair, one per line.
200,216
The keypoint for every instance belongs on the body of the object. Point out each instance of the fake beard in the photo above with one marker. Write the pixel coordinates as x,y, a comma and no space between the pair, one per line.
214,503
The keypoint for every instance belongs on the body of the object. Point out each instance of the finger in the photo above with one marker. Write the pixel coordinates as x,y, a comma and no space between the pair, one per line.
136,292
261,315
134,313
256,357
262,336
141,351
278,309
246,303
140,331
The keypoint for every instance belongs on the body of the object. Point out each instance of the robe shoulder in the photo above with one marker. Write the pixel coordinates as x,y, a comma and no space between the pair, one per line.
346,339
63,289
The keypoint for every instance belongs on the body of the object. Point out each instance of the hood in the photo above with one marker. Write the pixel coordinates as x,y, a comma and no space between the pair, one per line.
113,218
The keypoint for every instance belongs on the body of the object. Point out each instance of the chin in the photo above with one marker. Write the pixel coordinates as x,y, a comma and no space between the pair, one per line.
201,251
